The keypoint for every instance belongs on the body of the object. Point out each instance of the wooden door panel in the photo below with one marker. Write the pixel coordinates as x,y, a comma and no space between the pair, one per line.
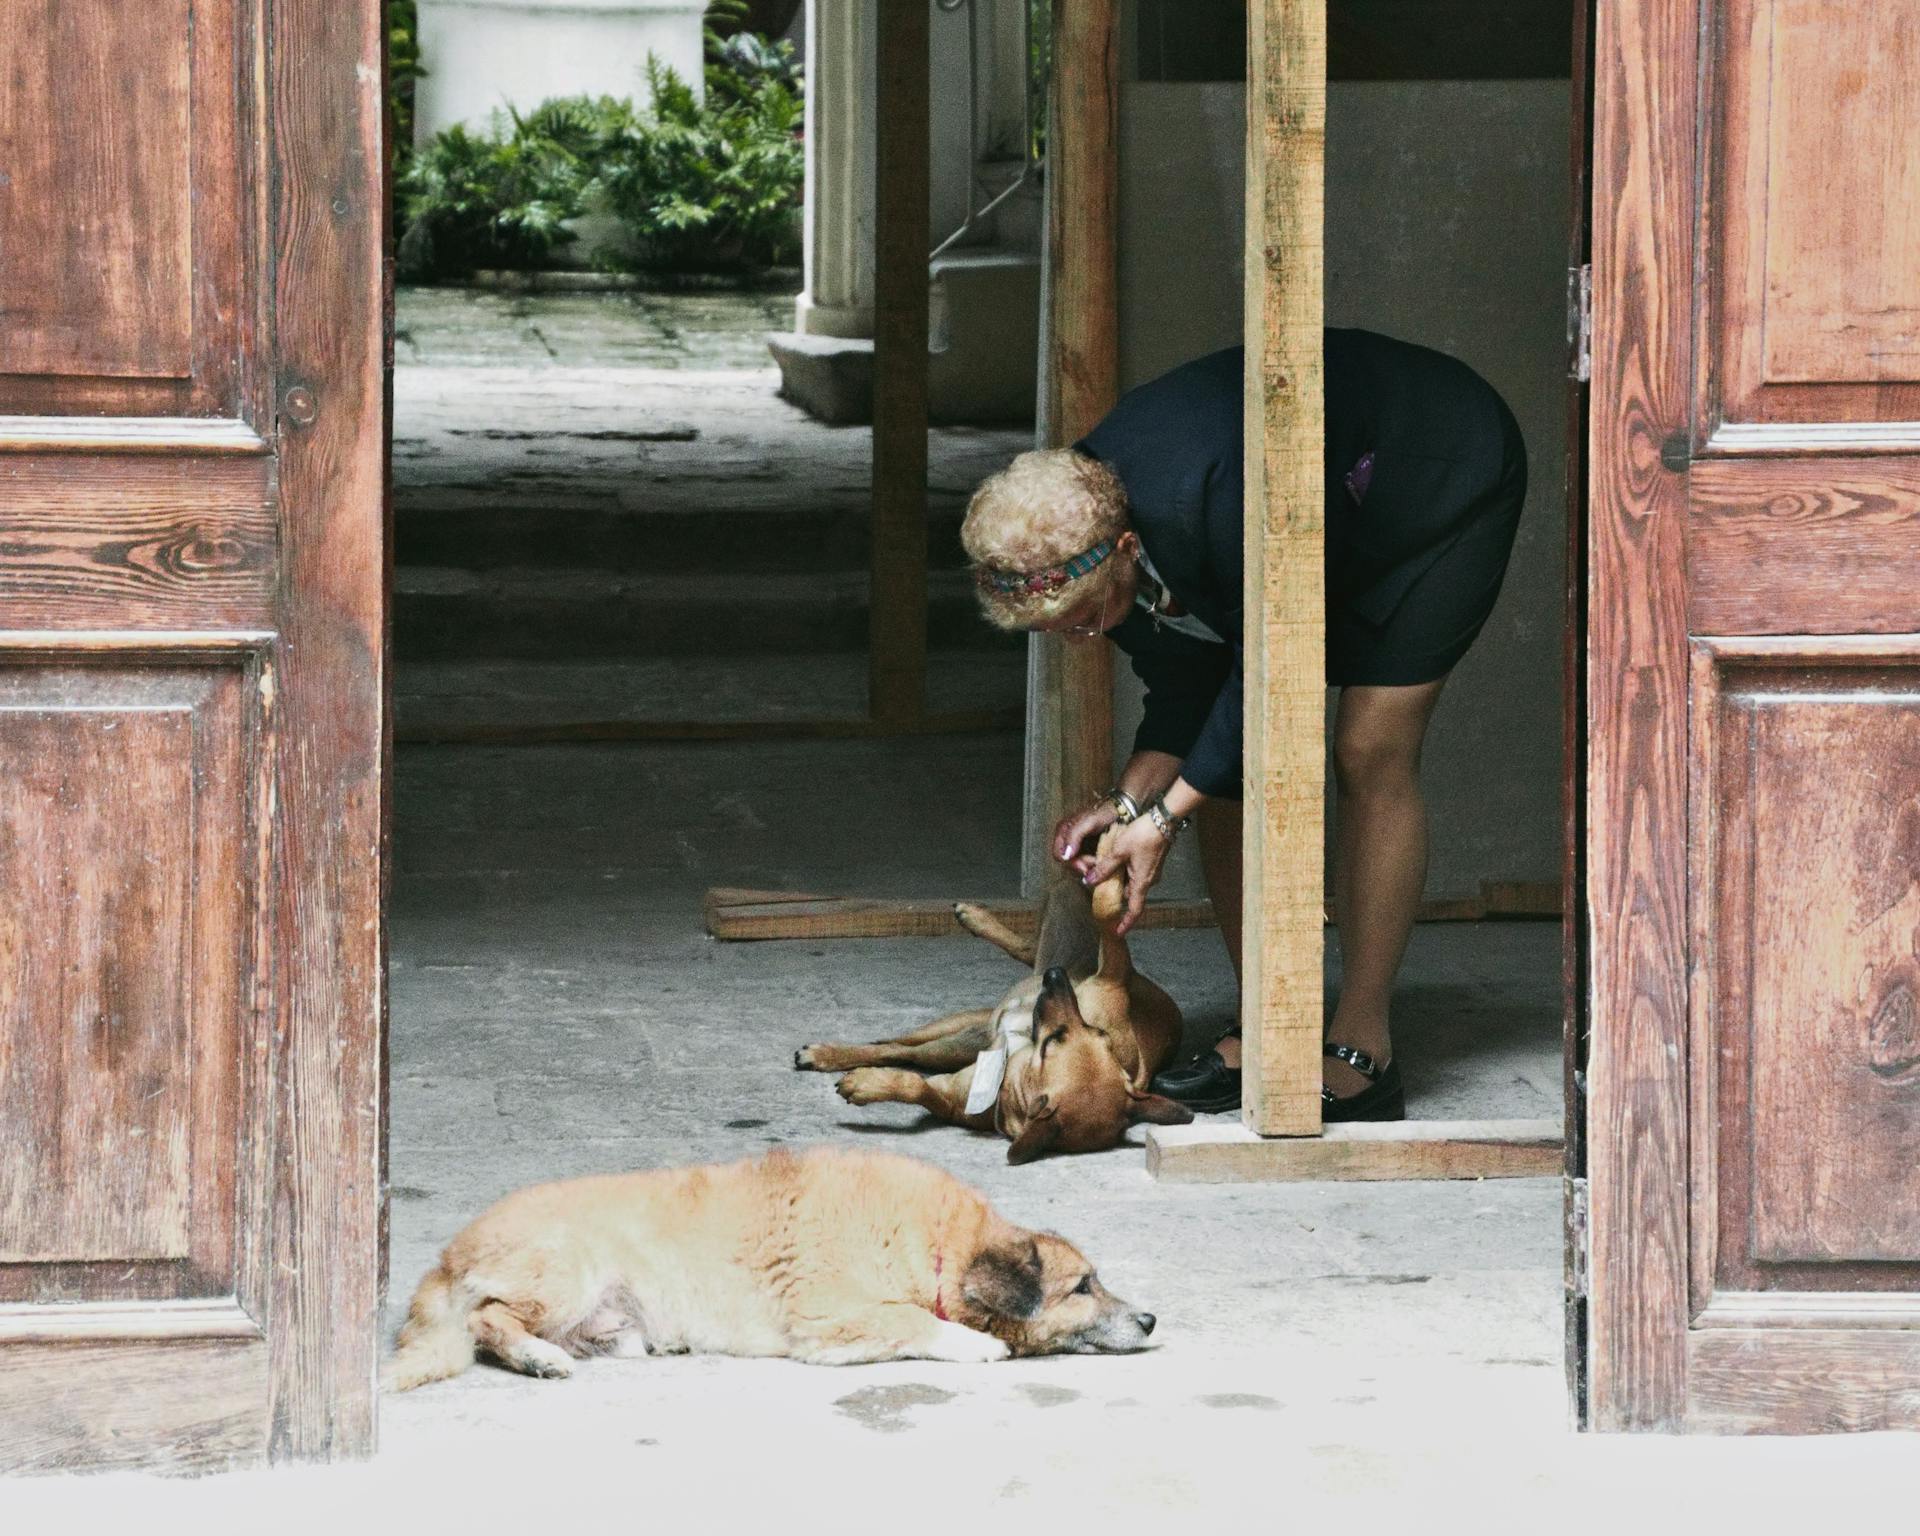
187,1401
127,856
1806,885
129,235
118,541
1784,546
192,732
1815,225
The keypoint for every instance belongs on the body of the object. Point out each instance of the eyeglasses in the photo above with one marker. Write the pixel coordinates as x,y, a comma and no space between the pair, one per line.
1091,631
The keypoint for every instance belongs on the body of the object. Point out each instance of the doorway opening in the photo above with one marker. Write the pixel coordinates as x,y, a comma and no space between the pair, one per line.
556,1002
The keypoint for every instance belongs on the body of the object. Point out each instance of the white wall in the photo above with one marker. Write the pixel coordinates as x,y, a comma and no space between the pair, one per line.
1446,225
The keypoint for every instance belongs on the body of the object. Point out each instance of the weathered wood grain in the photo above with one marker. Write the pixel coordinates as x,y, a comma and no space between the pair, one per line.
321,1271
95,867
1285,577
1070,686
1804,1381
1814,219
125,867
134,266
148,541
897,664
1804,546
1802,1130
97,101
188,1405
1644,134
1407,1149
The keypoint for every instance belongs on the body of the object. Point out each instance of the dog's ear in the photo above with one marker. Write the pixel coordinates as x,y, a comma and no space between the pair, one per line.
1006,1280
1158,1110
1037,1136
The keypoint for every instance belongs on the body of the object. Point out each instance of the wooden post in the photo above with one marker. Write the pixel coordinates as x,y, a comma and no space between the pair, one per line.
1285,603
1070,687
897,663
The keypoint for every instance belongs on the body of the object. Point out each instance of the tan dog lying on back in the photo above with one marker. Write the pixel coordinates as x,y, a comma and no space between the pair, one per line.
832,1257
1083,1036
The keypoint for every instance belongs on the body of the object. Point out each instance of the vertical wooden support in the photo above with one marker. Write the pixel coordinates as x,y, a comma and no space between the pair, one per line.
1070,687
897,636
1285,564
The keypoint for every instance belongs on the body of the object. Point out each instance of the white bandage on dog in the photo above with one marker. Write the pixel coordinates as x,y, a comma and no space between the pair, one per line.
1013,1023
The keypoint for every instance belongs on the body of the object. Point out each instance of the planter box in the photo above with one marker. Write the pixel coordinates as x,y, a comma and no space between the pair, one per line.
482,56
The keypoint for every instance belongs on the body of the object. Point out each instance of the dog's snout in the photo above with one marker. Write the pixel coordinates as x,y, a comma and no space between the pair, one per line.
1055,980
1146,1320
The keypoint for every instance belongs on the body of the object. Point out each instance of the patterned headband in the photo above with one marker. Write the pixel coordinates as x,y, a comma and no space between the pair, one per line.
1050,580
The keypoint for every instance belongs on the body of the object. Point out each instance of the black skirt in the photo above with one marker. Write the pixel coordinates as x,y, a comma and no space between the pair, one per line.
1398,616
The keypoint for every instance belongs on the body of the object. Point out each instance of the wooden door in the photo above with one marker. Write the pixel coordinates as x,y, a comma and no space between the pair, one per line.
1754,689
192,555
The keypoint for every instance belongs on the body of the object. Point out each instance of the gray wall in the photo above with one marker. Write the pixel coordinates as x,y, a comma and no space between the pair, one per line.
1446,225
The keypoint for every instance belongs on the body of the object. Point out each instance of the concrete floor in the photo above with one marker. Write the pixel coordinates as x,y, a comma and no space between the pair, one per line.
558,1011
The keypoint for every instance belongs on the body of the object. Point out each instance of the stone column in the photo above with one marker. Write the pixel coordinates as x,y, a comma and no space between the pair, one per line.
838,240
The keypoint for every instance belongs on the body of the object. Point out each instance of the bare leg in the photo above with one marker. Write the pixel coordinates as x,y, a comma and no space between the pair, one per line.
1219,828
1380,859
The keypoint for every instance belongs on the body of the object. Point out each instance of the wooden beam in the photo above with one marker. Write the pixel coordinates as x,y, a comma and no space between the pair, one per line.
1224,1153
1070,687
1285,565
897,601
744,915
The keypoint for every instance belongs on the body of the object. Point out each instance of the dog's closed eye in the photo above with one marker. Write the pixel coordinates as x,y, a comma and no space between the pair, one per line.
1085,1287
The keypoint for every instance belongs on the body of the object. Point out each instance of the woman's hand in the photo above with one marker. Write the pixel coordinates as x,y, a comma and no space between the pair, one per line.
1139,851
1074,838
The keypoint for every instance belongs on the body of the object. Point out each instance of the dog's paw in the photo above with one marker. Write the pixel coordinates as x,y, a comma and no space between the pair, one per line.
966,1346
803,1059
867,1085
539,1358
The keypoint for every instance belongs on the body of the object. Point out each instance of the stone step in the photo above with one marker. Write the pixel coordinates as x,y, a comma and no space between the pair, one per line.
443,613
473,534
457,696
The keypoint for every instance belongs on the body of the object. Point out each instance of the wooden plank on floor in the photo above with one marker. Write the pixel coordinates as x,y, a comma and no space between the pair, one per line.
739,915
1285,578
1224,1153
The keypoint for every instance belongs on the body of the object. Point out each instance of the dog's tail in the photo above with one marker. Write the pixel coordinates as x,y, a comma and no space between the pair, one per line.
434,1341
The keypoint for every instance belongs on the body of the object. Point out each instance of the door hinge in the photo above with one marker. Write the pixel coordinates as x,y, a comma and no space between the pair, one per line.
1580,322
1577,1238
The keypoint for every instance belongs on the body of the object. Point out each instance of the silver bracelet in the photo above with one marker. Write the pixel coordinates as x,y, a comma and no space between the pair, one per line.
1126,809
1164,821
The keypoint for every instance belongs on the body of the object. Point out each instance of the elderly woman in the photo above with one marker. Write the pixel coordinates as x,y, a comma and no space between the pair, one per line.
1136,533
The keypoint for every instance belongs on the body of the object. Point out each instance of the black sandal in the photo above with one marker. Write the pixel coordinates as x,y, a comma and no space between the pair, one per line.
1384,1097
1206,1085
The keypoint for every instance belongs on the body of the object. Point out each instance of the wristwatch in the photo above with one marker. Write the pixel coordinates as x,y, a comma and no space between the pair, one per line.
1164,821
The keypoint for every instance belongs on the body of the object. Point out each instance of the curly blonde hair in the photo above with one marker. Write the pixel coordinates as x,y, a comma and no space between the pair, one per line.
1040,511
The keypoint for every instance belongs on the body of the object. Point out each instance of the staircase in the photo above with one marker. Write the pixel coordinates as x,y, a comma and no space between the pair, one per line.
583,546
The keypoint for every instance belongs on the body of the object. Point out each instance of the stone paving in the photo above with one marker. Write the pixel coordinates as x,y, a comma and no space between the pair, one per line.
635,328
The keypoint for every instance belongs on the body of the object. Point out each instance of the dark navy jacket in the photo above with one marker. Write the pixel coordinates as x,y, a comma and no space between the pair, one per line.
1176,444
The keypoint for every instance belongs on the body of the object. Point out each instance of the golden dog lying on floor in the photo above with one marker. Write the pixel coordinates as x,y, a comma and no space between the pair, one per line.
837,1258
1061,1065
